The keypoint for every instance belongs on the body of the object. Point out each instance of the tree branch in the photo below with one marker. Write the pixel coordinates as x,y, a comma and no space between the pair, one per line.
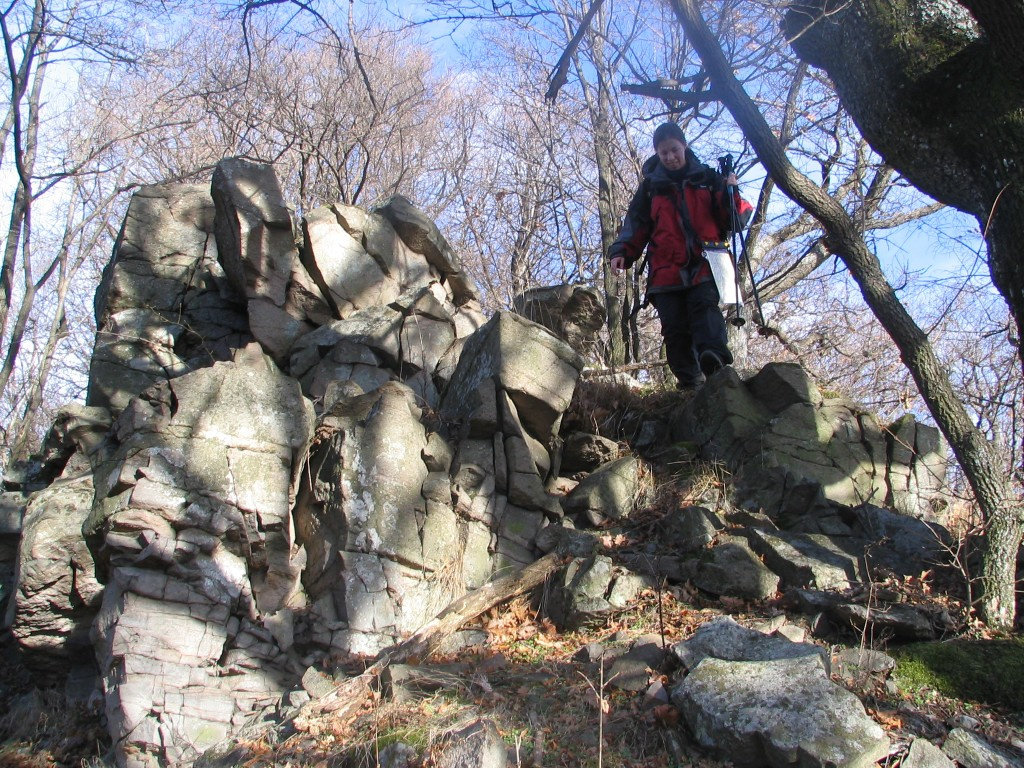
352,693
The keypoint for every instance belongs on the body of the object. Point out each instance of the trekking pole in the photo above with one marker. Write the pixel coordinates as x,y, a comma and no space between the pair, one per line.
737,231
739,313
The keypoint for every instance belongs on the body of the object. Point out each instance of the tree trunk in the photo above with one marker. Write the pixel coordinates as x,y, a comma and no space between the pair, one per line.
976,456
600,117
939,93
24,154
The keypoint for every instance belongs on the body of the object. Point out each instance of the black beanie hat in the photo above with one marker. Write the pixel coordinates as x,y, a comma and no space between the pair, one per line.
668,131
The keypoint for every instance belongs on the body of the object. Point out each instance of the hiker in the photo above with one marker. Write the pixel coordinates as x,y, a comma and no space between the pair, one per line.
681,205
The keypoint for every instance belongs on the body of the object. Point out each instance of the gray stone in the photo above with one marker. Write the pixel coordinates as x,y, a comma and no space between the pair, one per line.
689,529
970,750
589,589
341,267
423,237
520,525
566,540
583,452
375,328
525,485
164,305
924,754
917,468
366,481
780,385
575,313
485,417
437,454
720,418
902,620
858,663
317,684
917,544
475,745
12,510
781,712
632,671
424,341
802,560
610,492
257,249
537,370
55,593
732,569
211,453
382,242
725,639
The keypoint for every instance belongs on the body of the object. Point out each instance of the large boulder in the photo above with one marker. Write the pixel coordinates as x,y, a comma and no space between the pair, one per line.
258,252
590,589
724,638
575,313
610,492
761,700
731,568
164,305
536,369
777,713
338,263
422,236
192,536
56,594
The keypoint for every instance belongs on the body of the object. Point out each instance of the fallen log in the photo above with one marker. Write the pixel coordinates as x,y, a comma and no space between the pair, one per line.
350,694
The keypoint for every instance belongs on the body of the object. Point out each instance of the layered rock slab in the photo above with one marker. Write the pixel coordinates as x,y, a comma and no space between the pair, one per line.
164,305
191,532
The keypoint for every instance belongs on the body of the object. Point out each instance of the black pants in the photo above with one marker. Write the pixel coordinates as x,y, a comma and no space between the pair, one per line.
691,322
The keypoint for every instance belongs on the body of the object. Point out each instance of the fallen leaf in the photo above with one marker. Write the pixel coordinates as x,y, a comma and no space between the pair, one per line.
666,715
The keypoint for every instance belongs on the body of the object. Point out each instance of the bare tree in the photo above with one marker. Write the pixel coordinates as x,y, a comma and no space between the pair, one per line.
52,168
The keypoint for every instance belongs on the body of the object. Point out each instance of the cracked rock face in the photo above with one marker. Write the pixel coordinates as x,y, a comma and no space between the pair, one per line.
795,451
191,530
164,306
228,544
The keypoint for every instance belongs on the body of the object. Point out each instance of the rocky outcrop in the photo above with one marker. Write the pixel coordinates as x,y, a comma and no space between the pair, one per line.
192,534
793,451
271,480
304,439
165,305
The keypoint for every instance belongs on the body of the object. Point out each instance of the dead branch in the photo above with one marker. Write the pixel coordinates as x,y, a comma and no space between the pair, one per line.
350,694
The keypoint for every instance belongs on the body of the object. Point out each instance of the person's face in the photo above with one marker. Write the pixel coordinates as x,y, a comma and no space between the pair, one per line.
672,153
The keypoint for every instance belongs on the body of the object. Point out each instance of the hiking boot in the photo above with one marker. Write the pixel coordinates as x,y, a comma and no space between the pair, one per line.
710,362
689,386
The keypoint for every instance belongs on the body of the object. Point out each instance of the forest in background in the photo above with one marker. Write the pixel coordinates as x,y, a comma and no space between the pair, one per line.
446,104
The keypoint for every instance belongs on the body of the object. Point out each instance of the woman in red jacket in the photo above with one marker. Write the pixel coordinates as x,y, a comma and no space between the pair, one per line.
680,205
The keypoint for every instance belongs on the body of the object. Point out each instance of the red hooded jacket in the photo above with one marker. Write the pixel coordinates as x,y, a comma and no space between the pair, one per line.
672,215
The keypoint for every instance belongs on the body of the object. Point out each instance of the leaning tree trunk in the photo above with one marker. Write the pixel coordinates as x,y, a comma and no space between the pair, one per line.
975,454
937,89
599,104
